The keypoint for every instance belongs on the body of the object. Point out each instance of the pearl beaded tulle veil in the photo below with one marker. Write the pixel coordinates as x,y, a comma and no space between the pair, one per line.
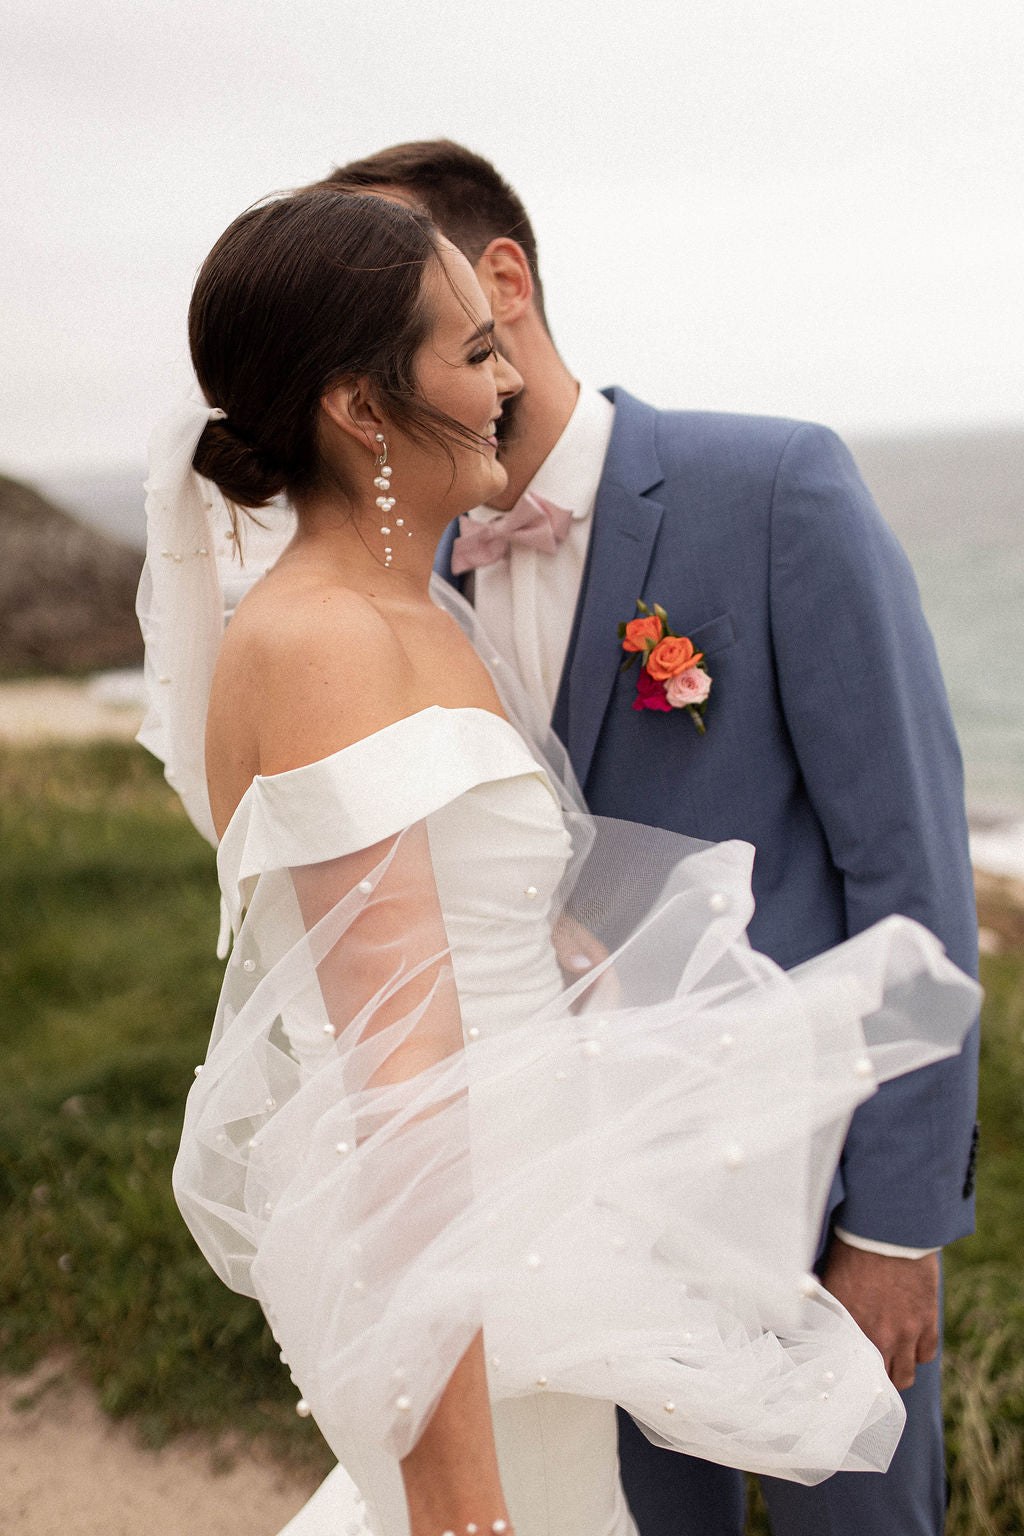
408,1125
412,1124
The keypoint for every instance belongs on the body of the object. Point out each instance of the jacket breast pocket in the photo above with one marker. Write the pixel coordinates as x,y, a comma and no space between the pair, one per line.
716,635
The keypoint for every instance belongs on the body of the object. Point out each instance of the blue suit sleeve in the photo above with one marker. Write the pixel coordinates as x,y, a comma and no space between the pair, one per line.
865,705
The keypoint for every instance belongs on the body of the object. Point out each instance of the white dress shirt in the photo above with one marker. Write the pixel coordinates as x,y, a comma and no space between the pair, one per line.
526,601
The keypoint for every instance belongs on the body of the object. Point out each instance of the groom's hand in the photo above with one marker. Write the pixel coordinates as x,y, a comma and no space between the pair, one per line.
894,1301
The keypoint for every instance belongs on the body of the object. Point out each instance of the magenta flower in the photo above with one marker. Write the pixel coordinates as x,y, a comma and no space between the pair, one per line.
650,693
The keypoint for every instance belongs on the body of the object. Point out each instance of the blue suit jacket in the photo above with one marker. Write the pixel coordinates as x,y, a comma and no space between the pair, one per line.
829,740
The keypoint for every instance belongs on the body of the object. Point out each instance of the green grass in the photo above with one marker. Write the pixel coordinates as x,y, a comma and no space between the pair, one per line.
108,982
984,1376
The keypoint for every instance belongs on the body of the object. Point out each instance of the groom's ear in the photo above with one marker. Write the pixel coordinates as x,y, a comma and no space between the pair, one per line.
503,273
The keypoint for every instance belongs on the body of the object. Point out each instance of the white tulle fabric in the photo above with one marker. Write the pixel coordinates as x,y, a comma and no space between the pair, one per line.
411,1124
196,572
179,605
409,1127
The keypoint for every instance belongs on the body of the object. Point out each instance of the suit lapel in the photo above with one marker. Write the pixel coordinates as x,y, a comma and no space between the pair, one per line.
626,523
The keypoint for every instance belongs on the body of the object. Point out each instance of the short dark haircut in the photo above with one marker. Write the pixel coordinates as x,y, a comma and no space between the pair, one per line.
300,293
463,193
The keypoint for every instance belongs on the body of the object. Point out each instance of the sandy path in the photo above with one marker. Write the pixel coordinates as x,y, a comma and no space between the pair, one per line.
67,1470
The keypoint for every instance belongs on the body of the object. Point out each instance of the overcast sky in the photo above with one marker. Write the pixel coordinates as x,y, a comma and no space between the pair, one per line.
795,206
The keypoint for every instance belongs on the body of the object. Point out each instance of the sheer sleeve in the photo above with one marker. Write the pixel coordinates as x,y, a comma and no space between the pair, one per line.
325,1164
381,1213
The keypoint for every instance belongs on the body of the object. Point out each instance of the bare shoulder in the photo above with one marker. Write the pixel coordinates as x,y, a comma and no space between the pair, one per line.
306,668
293,622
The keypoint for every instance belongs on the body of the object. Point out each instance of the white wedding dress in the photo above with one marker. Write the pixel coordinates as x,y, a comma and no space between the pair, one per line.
411,1125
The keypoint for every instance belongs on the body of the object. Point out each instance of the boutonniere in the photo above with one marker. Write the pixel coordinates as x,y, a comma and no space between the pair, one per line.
673,675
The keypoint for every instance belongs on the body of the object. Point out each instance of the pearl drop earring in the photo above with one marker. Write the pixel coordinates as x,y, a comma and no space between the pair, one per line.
382,481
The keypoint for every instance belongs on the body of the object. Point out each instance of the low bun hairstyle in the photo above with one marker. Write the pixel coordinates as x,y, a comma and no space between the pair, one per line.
298,294
244,476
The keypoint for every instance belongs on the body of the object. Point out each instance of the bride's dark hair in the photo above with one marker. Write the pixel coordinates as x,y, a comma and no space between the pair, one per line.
300,293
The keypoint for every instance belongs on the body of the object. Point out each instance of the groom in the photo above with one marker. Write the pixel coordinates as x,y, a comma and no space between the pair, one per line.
828,745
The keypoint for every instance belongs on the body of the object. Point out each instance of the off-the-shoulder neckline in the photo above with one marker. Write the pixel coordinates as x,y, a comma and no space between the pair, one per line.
394,725
290,774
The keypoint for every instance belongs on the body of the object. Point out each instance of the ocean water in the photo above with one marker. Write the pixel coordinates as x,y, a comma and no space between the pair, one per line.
957,503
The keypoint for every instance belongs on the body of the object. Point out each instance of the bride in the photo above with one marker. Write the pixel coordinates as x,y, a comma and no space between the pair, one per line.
502,1120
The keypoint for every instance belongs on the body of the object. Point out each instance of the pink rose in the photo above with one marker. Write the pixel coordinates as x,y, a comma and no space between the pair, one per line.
689,687
650,692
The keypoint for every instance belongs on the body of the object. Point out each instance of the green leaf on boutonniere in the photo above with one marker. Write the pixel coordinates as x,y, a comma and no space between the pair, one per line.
642,606
633,656
659,613
622,630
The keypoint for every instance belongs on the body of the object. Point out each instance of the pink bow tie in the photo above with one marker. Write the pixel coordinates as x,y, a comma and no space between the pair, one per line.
537,523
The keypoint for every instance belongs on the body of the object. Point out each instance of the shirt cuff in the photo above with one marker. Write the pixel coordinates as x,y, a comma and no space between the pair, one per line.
890,1250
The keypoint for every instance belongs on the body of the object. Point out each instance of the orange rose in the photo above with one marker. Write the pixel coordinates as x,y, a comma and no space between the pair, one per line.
639,631
671,656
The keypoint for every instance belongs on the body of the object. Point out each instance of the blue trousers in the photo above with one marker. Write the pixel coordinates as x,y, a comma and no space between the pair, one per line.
673,1495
